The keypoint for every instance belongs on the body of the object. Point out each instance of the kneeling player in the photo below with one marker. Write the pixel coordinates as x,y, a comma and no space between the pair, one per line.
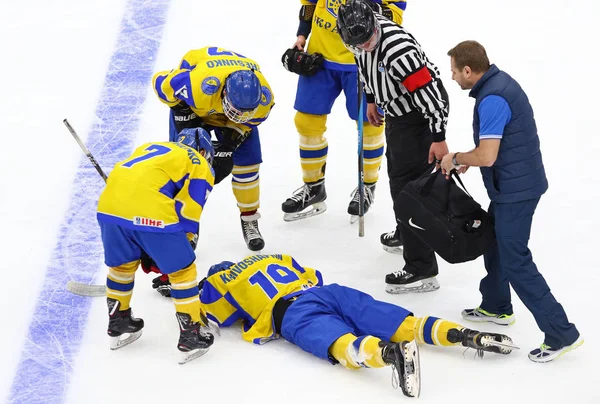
275,296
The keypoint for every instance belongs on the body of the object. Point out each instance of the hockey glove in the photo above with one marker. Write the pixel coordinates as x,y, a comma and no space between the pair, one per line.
302,63
223,161
229,141
184,117
148,264
162,285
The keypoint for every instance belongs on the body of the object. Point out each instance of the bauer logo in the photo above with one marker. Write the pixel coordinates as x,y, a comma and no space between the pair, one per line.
210,85
144,221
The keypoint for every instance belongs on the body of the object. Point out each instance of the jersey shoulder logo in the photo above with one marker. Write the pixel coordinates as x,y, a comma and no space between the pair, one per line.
210,85
333,6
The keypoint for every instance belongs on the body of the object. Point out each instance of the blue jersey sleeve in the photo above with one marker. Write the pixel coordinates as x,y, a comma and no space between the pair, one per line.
494,115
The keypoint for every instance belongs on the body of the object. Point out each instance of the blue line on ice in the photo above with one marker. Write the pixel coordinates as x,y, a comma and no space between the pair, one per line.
60,318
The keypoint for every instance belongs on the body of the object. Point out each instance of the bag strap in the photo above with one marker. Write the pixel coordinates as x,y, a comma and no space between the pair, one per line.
429,184
454,174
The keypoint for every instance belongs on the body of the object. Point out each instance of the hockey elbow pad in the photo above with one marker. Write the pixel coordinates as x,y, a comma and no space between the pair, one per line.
302,63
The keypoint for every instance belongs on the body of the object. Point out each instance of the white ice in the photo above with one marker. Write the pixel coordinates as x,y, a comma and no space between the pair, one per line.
54,58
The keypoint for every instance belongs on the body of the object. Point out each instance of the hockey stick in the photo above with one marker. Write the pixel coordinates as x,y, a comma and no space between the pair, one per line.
79,288
83,289
85,150
361,169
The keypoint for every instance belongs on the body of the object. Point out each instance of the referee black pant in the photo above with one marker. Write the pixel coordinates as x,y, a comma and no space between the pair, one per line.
408,141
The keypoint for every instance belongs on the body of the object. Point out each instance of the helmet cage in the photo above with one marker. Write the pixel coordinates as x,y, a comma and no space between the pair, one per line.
234,114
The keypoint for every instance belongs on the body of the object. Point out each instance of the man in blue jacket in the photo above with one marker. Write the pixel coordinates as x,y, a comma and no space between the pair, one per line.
508,153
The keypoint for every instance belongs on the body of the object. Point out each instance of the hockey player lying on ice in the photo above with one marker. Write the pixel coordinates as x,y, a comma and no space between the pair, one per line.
275,296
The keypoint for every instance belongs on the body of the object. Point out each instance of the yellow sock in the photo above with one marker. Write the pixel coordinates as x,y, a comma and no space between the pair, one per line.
356,352
119,283
245,183
426,330
313,145
373,151
185,293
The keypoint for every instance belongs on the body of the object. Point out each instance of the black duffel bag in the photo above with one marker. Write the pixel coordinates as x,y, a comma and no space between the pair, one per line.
446,218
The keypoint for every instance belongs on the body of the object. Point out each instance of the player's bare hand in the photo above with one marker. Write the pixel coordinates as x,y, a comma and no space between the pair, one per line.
463,169
300,43
373,115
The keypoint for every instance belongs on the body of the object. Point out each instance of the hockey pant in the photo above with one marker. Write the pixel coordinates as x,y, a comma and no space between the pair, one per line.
313,147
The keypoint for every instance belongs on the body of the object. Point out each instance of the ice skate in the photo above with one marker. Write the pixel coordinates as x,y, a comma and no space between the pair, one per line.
404,282
482,341
252,237
353,207
404,359
392,242
307,201
194,340
122,323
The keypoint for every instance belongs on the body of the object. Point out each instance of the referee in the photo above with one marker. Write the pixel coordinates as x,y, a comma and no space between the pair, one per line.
400,79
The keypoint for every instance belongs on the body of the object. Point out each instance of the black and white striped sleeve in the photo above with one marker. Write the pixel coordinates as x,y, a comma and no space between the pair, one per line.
411,69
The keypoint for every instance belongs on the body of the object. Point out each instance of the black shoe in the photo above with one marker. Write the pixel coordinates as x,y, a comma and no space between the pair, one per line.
310,195
369,200
252,236
482,341
193,340
392,242
404,359
122,322
405,282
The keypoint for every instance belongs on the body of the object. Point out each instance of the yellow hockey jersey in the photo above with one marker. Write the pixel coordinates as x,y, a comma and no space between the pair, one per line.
161,187
199,82
249,289
324,37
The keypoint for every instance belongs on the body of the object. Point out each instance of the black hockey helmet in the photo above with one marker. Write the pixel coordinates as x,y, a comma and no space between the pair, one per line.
356,23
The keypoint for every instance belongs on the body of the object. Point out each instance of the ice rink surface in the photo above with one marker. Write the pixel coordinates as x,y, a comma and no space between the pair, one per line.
92,62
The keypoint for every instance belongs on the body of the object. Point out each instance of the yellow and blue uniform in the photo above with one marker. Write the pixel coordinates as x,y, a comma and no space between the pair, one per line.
151,202
248,291
332,322
198,82
316,94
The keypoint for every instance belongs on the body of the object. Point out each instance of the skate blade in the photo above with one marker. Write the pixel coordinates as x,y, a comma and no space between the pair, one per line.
422,286
394,250
191,355
118,342
506,346
412,369
310,211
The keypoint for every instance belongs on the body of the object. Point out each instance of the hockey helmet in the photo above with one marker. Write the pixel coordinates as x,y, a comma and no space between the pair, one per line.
221,266
199,140
241,96
358,26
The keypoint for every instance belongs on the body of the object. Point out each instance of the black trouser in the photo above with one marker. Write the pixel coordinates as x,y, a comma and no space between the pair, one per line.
408,141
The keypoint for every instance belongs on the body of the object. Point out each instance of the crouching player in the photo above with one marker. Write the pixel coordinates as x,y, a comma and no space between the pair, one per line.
275,296
151,202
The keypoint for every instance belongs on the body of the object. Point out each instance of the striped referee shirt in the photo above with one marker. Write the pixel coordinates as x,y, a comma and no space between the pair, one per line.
401,79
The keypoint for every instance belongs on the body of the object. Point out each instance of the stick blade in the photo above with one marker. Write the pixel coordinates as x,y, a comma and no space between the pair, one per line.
83,289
